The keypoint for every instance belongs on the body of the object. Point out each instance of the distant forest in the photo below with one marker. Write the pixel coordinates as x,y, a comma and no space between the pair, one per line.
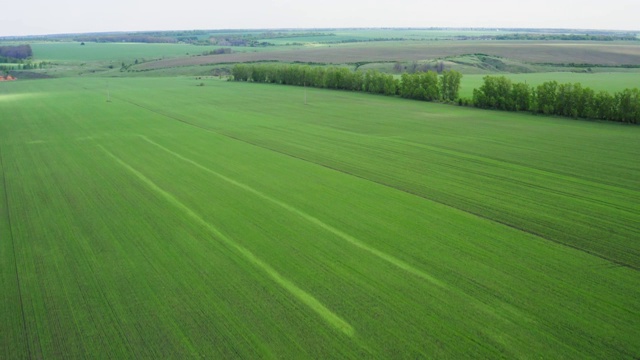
12,54
126,38
561,37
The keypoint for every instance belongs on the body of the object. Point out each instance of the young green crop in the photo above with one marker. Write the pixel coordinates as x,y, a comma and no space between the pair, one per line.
432,231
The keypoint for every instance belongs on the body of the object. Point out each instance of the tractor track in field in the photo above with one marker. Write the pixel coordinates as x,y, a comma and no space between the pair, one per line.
301,295
346,237
407,191
414,193
15,259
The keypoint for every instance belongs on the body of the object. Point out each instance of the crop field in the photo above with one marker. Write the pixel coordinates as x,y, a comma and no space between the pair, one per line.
116,52
233,220
604,53
346,35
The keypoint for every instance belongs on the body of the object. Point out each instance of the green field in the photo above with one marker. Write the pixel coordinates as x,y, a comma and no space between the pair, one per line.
128,52
105,59
231,220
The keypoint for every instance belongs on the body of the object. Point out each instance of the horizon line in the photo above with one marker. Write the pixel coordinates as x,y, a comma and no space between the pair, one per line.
4,37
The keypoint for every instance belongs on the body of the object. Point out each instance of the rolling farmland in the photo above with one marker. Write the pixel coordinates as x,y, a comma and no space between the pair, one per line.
233,220
604,53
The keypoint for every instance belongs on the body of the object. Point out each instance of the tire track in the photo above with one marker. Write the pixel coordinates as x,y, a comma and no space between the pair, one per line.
306,298
348,238
475,303
481,306
415,193
407,191
476,214
15,259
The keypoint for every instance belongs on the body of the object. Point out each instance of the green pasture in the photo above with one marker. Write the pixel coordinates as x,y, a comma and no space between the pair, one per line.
607,81
233,220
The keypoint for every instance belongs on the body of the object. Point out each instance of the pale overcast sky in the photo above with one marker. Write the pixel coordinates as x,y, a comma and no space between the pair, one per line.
34,17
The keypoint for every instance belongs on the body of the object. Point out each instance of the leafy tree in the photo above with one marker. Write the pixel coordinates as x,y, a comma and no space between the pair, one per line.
406,85
546,94
520,96
428,88
586,103
390,86
628,102
495,93
241,72
258,74
450,85
604,105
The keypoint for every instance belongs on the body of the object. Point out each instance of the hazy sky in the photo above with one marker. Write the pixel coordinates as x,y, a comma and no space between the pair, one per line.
33,17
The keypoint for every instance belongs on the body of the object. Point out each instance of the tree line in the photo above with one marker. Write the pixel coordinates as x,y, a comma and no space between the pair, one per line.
25,66
219,51
426,86
567,37
125,38
553,98
496,92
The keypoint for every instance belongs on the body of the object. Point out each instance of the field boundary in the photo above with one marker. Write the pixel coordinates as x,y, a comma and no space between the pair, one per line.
528,169
533,233
304,297
15,259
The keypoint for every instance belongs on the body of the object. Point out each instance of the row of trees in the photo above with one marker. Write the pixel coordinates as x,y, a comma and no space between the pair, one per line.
428,86
553,98
421,86
566,37
25,66
129,38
